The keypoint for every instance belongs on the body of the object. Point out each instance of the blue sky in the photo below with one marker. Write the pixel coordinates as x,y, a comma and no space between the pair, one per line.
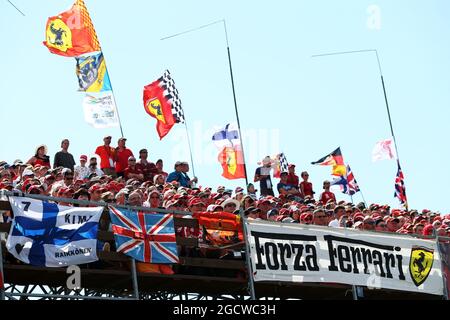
288,101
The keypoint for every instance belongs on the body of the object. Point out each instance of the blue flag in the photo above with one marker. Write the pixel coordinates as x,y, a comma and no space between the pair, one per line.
46,234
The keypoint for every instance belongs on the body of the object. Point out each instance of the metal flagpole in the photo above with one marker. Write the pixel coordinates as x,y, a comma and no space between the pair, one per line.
235,103
134,277
232,80
190,150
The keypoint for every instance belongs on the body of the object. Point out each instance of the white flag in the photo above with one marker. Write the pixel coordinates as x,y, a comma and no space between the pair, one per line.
100,110
384,150
227,136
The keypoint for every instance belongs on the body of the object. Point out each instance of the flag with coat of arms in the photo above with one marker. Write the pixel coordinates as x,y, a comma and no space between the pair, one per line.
144,236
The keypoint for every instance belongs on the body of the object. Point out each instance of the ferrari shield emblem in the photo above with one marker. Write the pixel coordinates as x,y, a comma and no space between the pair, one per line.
59,35
154,107
420,264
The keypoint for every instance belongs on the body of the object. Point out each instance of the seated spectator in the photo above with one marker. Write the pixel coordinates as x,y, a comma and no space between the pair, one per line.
251,191
381,226
81,171
159,166
148,168
272,215
93,169
132,171
135,199
284,188
153,200
230,205
320,218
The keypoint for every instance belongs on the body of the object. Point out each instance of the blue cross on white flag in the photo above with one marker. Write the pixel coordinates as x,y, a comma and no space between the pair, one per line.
47,234
227,136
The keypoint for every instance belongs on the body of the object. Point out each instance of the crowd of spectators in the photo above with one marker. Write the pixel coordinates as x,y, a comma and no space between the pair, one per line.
115,175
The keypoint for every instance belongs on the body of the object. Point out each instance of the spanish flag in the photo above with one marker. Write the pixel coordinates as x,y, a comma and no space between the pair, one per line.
71,33
334,159
232,162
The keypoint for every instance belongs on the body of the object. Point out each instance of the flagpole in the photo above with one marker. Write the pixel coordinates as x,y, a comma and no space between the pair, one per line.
189,144
235,102
231,76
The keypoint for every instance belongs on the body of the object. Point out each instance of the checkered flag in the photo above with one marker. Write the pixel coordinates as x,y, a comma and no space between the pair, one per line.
283,163
171,93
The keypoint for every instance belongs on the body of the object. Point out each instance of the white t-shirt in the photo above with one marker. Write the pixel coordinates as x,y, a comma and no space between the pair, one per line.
334,223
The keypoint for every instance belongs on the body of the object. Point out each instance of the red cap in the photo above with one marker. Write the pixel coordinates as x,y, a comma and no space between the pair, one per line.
83,157
195,201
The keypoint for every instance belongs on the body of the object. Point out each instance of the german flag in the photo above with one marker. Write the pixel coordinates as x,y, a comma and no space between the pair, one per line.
71,33
334,159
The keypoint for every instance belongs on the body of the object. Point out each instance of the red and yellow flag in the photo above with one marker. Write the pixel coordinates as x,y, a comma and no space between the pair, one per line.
157,106
71,33
232,162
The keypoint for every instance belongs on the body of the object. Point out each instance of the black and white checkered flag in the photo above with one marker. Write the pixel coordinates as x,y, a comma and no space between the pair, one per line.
283,163
171,93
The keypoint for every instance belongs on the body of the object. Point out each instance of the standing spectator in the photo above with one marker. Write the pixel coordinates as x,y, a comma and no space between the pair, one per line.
262,174
159,166
292,178
122,155
148,168
40,157
63,158
306,187
185,170
327,195
107,156
81,171
133,171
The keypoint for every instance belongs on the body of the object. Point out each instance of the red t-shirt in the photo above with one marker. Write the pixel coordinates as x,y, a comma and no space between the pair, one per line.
42,162
292,180
327,195
149,170
307,188
129,170
106,156
122,159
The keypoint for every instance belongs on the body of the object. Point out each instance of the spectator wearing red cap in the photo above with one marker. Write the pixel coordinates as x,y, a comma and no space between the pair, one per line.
96,192
306,218
418,229
63,158
148,168
81,171
107,156
368,224
265,205
327,195
284,188
393,224
381,226
133,171
196,205
306,187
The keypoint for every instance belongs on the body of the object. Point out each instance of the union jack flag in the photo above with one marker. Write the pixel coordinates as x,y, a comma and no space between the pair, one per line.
146,237
400,191
352,184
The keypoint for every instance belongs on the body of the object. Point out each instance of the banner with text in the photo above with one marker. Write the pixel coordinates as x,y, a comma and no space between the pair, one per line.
300,253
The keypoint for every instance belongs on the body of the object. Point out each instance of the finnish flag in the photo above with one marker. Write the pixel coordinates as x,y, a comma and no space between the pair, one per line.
47,234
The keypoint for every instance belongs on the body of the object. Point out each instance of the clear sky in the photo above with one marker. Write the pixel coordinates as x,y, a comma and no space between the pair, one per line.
288,101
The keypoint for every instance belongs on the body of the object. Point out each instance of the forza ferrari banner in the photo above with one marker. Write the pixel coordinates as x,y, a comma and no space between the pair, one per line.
300,253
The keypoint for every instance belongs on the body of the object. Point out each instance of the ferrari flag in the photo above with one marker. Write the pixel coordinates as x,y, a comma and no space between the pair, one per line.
71,33
161,101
